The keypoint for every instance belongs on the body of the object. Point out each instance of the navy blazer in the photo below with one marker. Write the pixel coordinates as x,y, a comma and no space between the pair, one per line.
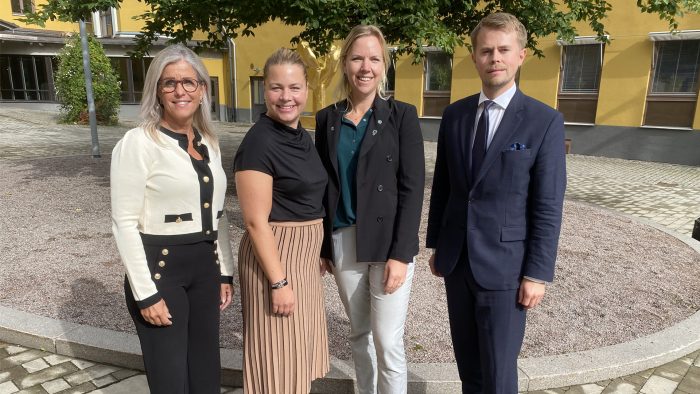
390,180
510,215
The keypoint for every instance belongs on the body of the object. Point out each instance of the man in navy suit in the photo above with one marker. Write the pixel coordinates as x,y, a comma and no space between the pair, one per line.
495,210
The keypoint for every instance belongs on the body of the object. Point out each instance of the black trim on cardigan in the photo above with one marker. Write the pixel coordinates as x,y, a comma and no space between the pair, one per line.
178,239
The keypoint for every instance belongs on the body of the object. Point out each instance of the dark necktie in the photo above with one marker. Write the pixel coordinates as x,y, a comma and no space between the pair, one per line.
480,138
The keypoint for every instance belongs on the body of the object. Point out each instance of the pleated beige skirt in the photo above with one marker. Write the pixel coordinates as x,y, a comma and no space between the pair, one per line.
284,354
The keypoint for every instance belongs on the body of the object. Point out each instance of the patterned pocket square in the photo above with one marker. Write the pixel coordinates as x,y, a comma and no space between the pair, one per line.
517,146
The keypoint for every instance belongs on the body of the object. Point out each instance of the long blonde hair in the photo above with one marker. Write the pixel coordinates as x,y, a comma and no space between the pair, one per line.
152,110
345,89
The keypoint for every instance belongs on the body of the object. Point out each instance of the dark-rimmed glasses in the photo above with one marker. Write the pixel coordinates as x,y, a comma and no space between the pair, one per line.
189,84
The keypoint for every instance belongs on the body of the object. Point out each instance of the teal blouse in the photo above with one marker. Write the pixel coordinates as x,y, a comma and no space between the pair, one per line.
349,145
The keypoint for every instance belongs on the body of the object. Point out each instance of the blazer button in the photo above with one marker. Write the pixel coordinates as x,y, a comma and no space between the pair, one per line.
380,219
380,188
156,276
389,158
379,121
374,132
205,179
164,252
206,205
161,264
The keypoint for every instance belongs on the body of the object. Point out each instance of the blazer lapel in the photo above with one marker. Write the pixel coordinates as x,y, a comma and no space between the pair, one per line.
509,124
333,126
382,109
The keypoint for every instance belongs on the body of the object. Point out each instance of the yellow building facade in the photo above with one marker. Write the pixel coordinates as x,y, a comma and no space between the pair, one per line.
632,81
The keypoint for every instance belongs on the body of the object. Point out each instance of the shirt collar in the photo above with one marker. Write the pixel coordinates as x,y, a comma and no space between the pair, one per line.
503,100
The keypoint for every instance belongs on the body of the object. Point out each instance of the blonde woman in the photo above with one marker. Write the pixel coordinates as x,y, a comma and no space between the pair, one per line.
372,149
167,189
280,184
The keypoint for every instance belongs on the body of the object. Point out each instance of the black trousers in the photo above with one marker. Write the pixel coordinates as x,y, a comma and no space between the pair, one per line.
182,358
487,327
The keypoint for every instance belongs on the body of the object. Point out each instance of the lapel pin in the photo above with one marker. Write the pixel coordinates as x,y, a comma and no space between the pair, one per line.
379,121
374,132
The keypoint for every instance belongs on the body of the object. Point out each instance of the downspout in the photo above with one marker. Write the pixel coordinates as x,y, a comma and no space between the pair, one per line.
232,76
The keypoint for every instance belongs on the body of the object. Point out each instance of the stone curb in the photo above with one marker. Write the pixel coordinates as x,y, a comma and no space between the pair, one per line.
122,349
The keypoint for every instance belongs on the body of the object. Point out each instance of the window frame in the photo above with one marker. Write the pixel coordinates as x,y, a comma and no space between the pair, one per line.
19,7
656,103
579,106
437,98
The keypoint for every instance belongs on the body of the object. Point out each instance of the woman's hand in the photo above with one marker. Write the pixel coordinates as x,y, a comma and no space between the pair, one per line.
283,301
226,296
157,314
326,266
394,275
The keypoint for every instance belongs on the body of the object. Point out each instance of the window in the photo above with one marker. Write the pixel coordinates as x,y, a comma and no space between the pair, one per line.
672,94
22,6
580,81
106,27
26,78
438,82
132,74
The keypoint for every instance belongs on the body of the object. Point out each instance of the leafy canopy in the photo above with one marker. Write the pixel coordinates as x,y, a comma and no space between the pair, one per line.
409,24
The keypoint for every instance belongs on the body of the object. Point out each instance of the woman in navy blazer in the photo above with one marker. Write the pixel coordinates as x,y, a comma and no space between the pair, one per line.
372,148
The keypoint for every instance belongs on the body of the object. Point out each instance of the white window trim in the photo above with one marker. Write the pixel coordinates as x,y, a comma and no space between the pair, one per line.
583,40
676,35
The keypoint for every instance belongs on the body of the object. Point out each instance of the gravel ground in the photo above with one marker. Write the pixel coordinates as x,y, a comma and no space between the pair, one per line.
616,280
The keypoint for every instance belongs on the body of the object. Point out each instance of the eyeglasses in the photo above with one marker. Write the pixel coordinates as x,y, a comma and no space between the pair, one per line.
190,85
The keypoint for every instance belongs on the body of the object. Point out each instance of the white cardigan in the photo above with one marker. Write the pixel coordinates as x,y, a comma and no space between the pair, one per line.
161,196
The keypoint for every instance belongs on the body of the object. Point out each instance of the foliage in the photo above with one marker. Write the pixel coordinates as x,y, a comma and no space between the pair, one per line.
70,83
410,24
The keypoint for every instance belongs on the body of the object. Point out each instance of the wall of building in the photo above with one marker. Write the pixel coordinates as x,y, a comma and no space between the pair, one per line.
623,88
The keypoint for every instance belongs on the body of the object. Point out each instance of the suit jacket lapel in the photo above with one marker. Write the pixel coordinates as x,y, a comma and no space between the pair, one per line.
509,124
382,110
465,131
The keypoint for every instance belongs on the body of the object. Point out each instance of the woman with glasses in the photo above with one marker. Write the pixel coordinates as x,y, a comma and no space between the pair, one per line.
167,190
280,184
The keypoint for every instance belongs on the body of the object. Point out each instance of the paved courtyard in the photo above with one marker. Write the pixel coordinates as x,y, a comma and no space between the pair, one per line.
664,193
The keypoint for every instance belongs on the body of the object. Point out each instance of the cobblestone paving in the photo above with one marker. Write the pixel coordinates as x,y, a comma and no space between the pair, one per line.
665,193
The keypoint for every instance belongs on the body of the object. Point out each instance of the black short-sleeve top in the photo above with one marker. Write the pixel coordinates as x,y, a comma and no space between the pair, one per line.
289,156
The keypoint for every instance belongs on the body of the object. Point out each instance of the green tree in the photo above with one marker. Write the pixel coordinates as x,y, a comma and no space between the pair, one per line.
70,83
410,24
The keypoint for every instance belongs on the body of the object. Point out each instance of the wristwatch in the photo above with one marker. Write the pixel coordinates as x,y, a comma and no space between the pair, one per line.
280,284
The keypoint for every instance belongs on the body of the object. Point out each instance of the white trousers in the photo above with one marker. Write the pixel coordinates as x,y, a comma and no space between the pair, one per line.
376,318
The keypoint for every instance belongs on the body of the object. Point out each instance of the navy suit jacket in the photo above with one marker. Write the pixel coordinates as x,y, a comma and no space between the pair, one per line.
509,217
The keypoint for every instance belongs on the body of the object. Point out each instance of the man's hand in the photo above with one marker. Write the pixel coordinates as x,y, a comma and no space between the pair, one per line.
530,293
394,275
157,314
432,266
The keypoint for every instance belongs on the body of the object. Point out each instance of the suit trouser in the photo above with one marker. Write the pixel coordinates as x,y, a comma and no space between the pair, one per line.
488,327
376,318
184,357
